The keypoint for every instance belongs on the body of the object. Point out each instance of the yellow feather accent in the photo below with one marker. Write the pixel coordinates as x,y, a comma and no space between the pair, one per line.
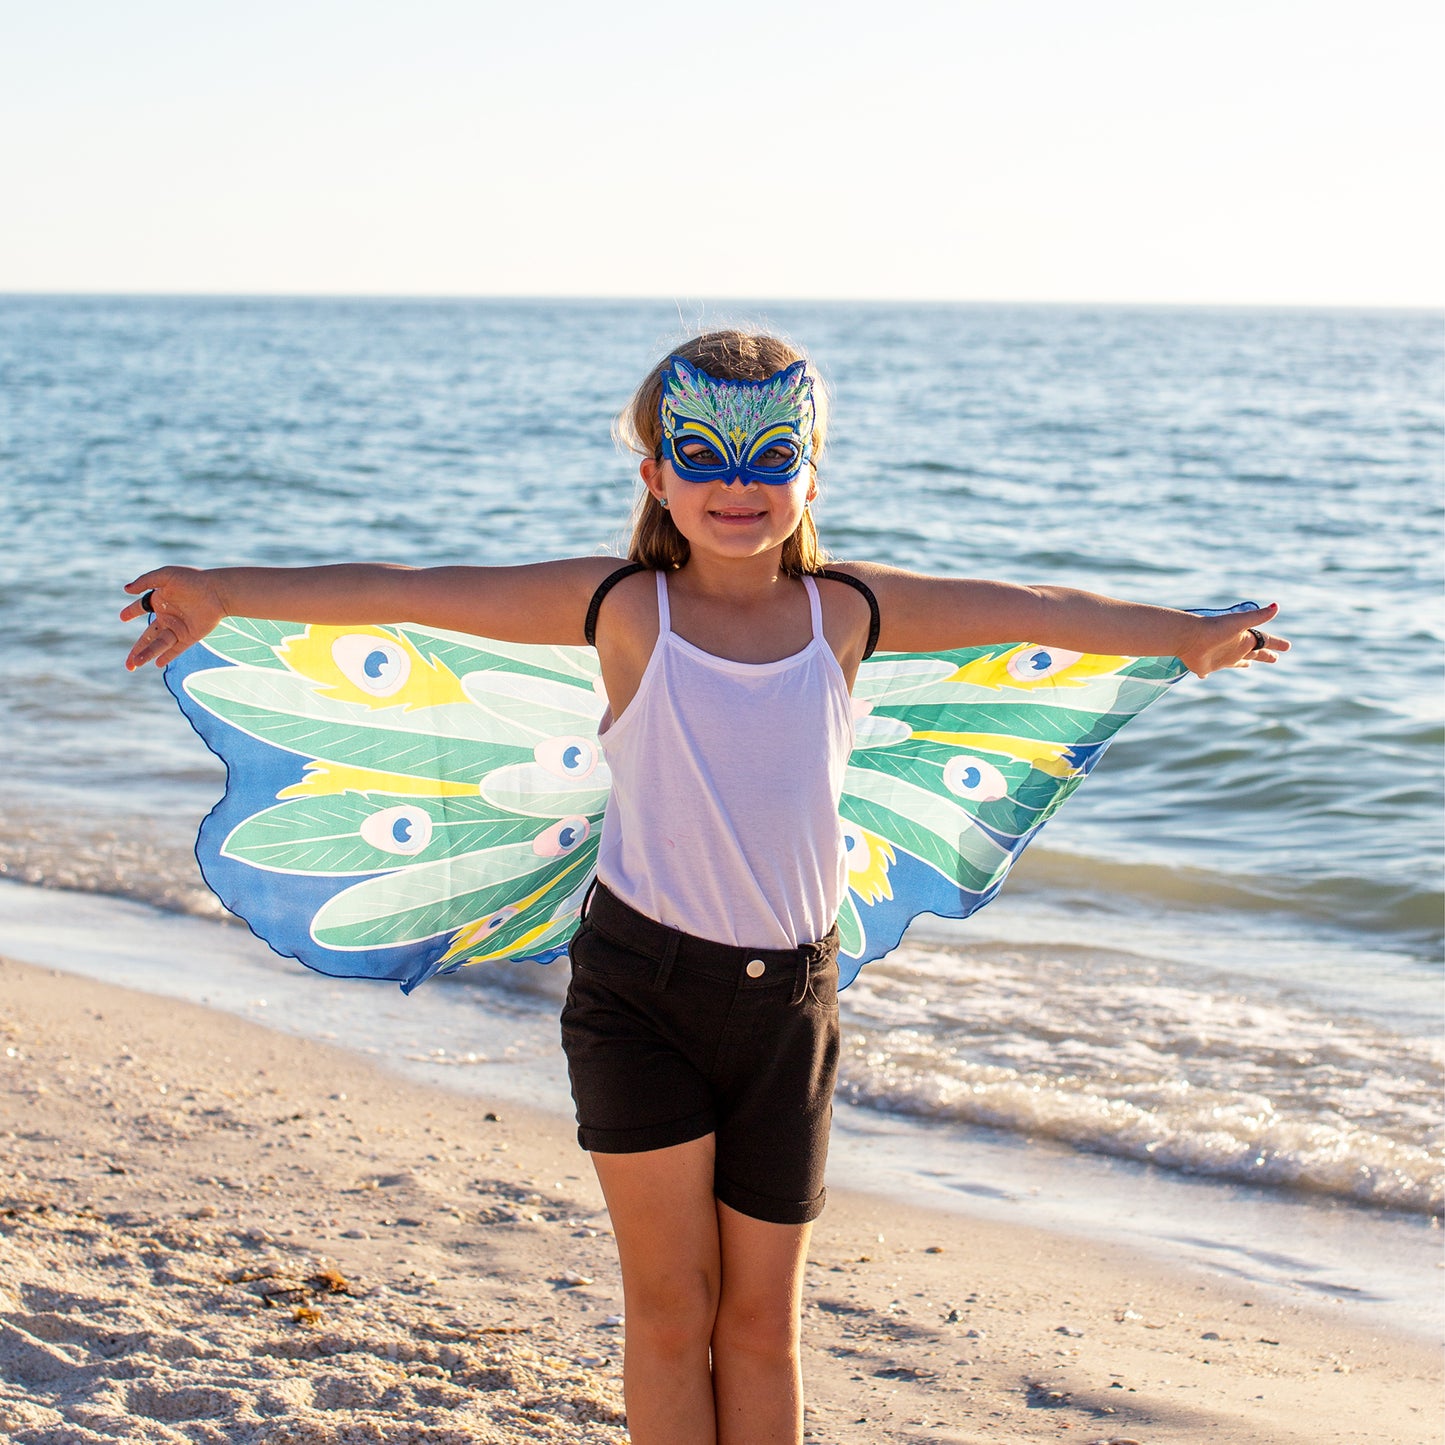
323,779
993,671
314,654
870,882
1046,757
464,939
473,933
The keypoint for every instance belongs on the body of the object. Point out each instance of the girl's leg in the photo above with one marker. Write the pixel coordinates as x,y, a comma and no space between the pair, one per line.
757,1375
666,1222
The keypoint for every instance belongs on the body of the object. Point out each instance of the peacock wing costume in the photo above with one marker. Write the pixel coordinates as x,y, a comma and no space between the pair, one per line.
402,800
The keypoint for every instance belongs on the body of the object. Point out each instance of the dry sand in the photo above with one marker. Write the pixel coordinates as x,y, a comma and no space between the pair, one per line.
213,1232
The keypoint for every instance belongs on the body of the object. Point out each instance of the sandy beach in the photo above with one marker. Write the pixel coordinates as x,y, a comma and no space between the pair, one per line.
212,1232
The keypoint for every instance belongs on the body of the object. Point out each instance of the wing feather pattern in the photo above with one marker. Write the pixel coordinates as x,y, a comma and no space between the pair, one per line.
402,801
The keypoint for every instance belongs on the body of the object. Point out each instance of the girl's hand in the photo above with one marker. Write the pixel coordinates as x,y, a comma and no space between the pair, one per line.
1231,641
187,605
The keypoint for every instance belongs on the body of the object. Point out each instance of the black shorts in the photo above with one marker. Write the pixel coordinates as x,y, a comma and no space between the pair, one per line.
670,1037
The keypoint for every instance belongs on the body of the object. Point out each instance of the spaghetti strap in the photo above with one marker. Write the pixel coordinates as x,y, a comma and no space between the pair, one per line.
816,608
664,612
859,586
589,627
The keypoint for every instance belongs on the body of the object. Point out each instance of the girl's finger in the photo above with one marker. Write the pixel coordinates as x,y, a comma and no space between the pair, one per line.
1268,642
143,604
155,643
142,589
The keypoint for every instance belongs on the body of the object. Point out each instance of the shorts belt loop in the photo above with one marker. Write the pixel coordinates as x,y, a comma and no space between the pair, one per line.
587,897
802,979
669,956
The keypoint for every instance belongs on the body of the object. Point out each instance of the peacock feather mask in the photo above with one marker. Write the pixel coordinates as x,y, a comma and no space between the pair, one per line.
740,423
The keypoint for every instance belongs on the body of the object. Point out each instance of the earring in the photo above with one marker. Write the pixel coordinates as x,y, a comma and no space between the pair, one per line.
662,501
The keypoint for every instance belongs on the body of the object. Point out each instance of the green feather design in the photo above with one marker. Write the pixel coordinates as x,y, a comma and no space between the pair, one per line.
450,740
468,858
323,835
436,899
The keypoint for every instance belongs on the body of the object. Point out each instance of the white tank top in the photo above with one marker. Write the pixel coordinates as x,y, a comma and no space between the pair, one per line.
723,819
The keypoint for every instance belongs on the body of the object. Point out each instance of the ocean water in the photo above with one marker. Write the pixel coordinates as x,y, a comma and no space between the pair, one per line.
1223,962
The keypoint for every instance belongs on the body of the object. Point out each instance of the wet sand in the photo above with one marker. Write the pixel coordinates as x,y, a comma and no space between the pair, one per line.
212,1232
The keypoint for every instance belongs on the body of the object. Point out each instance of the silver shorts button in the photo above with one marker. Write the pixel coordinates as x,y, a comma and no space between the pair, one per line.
756,968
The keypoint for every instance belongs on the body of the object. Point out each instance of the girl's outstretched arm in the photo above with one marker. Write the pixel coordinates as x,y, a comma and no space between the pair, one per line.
931,614
542,602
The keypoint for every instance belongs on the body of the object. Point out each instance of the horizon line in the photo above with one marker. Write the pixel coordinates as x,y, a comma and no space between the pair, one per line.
1429,307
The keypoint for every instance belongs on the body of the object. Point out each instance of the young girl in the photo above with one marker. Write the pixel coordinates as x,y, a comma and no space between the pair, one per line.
701,1023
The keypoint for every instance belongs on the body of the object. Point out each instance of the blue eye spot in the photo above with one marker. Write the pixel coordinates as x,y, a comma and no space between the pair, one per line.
849,842
567,757
1032,665
404,830
974,778
563,836
374,664
493,921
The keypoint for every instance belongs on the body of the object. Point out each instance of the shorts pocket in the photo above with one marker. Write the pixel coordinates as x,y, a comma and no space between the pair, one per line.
593,953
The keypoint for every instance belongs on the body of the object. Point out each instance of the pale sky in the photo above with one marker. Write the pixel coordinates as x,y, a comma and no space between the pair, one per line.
1217,151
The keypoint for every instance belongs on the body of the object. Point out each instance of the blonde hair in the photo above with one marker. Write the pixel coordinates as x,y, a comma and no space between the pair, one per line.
729,356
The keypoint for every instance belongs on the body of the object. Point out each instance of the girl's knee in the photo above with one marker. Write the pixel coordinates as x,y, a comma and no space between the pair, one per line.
765,1329
674,1316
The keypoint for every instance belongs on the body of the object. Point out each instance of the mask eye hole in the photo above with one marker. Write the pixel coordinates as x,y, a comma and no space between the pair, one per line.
698,456
778,457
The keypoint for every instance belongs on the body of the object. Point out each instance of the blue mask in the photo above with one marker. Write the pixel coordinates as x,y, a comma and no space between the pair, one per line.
746,431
